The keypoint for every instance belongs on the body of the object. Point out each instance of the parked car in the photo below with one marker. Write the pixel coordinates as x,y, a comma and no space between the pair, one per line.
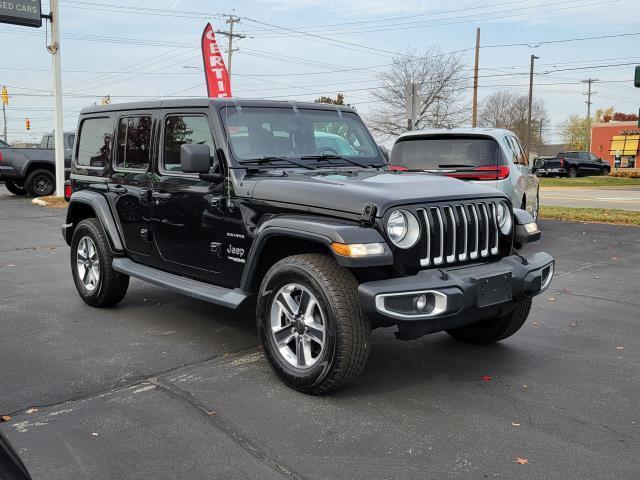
32,170
232,200
487,156
572,164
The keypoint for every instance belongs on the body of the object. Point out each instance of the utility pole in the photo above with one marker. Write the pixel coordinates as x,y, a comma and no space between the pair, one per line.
5,102
54,50
474,114
230,36
589,81
413,104
529,132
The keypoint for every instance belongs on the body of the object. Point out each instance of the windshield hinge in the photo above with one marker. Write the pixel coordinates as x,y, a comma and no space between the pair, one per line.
368,215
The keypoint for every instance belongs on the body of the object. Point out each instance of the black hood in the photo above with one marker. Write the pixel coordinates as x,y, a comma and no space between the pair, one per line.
349,191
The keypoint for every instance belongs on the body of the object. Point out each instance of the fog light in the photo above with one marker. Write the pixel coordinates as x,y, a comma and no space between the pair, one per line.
420,302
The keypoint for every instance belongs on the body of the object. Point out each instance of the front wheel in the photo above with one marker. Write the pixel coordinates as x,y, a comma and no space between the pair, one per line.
312,329
17,188
493,330
98,284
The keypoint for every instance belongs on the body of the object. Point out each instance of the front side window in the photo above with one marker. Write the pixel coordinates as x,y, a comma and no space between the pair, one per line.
520,155
94,145
180,130
134,143
256,132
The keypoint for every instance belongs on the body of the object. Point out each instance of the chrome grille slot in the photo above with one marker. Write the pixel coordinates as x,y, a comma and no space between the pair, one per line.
457,233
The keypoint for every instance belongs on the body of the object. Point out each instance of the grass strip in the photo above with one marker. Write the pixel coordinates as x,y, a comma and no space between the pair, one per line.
591,215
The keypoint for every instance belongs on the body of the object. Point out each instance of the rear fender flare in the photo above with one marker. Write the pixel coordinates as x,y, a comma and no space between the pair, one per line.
102,212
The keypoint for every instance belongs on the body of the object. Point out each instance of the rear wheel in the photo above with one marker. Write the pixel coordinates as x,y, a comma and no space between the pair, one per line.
573,172
17,188
312,329
495,329
98,284
40,183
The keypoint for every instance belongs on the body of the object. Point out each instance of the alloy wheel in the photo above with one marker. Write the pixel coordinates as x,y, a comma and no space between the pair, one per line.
298,326
88,263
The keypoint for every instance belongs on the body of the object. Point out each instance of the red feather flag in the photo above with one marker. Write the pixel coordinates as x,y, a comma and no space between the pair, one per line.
218,83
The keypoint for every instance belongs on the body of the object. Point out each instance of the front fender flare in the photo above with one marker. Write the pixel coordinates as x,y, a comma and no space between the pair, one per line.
318,230
100,207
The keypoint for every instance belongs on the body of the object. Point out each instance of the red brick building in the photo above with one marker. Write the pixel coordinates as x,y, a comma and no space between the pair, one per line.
617,143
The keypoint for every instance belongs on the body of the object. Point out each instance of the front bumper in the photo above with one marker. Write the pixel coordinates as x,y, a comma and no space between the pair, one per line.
454,297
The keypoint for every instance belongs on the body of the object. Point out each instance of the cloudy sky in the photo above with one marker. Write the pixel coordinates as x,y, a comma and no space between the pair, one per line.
301,49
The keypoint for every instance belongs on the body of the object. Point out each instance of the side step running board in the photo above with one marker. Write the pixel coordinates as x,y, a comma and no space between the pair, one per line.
193,288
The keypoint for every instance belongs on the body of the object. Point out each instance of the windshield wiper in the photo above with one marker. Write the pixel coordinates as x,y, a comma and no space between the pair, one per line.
326,156
271,159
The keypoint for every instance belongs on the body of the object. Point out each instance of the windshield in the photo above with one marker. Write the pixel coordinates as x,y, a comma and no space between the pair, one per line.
440,153
257,132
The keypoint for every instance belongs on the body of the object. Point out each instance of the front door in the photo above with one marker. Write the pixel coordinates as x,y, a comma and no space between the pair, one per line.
130,184
189,214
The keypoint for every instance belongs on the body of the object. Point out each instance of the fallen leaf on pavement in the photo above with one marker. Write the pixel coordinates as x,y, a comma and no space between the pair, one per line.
619,348
5,418
211,413
573,324
525,386
32,410
597,277
515,424
615,259
487,378
566,290
522,461
552,299
94,434
536,323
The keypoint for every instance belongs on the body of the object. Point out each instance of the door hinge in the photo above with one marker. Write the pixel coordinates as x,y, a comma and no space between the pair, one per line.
368,215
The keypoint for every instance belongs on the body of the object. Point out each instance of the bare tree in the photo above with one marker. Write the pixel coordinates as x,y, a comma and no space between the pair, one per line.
507,109
441,82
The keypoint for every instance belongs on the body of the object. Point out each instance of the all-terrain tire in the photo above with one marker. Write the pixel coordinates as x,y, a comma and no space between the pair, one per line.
111,286
346,345
17,188
495,329
40,183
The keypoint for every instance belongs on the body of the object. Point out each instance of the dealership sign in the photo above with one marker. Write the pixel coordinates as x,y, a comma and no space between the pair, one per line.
21,12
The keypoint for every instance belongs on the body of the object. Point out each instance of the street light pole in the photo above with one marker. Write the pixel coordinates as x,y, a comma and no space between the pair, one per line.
533,58
54,50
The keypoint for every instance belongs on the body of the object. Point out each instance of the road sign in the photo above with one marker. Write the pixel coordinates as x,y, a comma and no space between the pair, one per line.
27,13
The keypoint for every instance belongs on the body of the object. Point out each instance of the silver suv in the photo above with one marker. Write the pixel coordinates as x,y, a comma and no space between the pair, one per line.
488,156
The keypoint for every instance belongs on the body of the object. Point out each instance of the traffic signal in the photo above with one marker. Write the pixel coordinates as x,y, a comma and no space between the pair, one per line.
5,96
27,124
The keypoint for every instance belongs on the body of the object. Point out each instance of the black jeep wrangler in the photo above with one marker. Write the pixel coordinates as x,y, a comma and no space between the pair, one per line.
292,205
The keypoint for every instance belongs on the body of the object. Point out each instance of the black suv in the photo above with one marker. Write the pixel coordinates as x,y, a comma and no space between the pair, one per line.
291,205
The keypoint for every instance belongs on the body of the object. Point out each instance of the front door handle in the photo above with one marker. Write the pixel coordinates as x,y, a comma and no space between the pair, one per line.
161,195
117,189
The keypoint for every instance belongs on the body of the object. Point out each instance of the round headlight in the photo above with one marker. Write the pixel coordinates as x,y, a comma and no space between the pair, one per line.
403,229
504,217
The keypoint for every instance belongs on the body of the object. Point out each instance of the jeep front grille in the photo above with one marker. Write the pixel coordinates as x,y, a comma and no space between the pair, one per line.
458,232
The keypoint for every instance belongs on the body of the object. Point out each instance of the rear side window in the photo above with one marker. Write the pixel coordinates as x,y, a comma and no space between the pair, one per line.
94,146
134,143
180,130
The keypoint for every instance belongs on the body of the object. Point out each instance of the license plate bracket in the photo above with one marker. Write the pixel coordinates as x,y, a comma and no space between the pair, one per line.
493,289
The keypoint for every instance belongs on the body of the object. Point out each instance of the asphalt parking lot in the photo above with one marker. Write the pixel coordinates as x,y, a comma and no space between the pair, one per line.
164,386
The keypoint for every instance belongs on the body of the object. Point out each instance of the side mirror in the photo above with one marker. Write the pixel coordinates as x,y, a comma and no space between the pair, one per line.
195,158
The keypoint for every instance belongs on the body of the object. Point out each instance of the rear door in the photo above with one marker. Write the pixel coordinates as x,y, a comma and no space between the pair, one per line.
129,186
